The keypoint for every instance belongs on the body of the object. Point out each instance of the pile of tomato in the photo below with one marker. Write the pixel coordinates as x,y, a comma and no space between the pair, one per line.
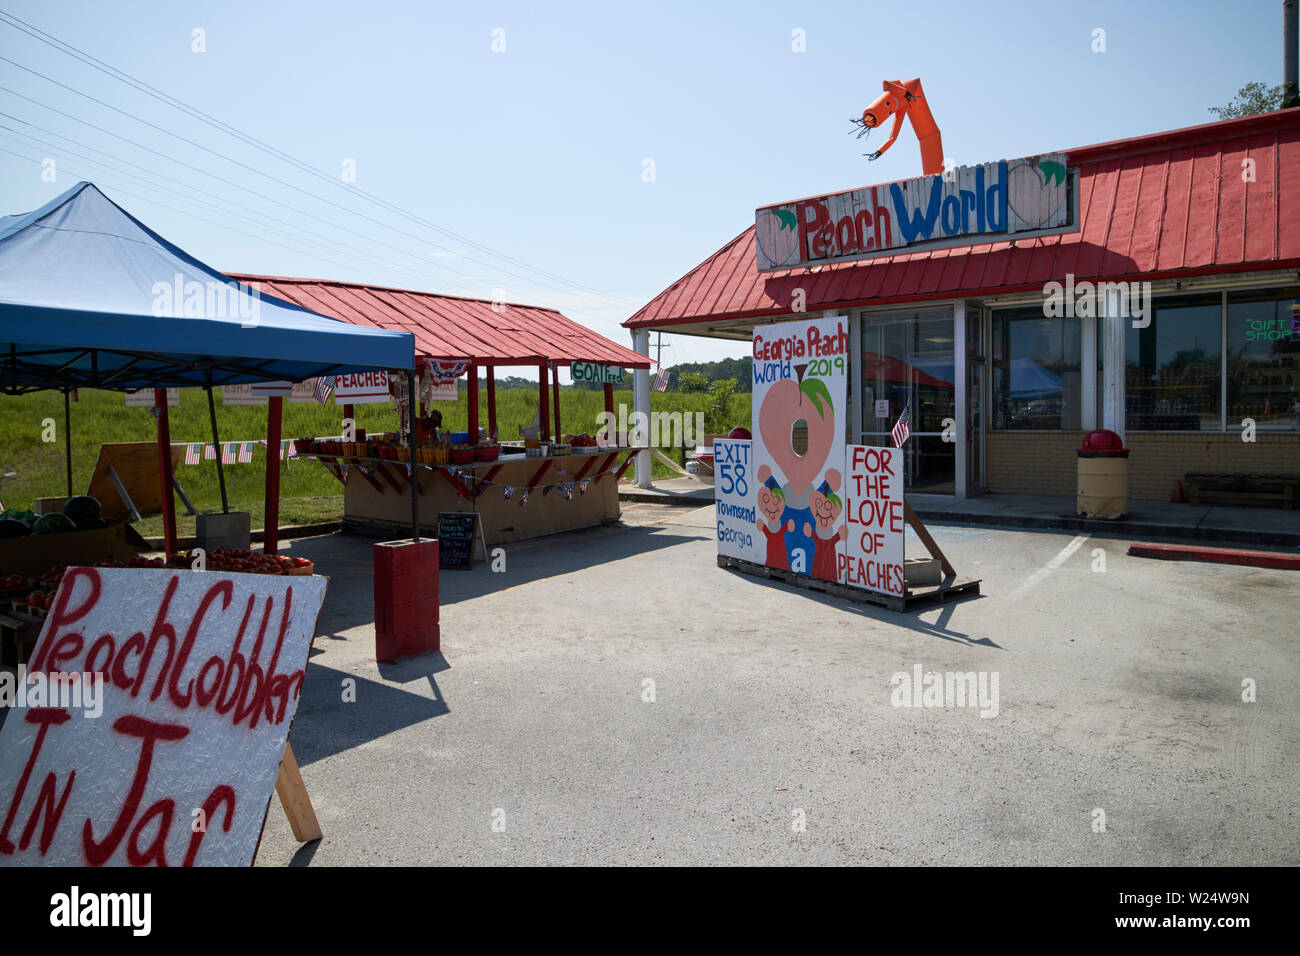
243,561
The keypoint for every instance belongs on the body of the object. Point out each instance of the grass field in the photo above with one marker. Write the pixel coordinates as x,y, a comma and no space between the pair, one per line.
31,467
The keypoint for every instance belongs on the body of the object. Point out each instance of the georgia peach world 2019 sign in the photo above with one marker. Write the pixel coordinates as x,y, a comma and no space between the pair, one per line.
800,386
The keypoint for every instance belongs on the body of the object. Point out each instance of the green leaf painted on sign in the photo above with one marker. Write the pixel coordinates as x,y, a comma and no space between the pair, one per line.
1052,172
787,218
818,394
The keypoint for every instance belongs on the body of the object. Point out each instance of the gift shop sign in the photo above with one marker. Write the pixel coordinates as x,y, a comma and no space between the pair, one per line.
200,674
873,490
962,206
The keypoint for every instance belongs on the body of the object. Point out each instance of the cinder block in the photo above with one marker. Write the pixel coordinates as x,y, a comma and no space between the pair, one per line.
231,530
406,556
393,646
396,618
404,588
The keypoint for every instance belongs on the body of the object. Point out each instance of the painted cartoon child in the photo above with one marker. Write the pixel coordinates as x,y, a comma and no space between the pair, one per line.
826,507
771,506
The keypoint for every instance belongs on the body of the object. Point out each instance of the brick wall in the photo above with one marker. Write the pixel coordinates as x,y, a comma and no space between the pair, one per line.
1043,463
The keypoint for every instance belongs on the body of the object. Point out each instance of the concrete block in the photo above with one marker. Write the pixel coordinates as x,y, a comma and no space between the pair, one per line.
233,530
922,572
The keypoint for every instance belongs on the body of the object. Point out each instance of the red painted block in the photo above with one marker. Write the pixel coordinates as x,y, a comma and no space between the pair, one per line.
395,618
405,588
406,557
393,646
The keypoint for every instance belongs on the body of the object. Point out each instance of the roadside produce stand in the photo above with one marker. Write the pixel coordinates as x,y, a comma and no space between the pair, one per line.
543,483
82,290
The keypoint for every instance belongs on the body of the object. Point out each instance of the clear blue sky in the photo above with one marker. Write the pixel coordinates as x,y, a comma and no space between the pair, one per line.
537,152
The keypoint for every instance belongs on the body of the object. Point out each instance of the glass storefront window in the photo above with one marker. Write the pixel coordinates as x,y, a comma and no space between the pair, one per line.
1173,371
1264,359
908,359
1036,371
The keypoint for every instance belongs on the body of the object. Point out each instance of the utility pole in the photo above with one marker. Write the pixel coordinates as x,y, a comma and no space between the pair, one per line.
659,350
1291,94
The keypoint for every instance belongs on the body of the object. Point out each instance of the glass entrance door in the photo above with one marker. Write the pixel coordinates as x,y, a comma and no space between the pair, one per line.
907,360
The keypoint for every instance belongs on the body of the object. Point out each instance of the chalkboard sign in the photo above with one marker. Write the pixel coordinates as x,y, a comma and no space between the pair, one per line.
456,540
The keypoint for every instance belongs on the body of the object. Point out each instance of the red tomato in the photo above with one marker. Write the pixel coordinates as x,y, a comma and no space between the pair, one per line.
36,599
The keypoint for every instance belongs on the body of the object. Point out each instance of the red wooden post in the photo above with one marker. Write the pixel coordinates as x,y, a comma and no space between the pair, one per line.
165,470
609,398
543,410
555,380
472,394
492,401
271,523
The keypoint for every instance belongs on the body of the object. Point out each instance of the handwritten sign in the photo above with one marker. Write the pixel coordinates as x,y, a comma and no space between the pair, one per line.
733,493
456,540
299,393
591,372
873,554
361,388
151,720
799,407
1025,197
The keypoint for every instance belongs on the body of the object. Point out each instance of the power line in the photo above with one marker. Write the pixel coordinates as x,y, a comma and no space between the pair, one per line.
175,103
258,219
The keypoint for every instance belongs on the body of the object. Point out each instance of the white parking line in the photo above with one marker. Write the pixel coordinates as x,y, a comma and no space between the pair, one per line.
1038,576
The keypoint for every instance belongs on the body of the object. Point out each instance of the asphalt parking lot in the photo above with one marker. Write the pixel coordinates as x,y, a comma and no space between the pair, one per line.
768,734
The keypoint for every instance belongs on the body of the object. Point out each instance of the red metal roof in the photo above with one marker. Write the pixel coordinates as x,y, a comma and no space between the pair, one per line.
1158,206
450,327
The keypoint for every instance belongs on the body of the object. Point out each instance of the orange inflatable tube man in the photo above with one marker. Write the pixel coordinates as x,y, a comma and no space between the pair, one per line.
902,100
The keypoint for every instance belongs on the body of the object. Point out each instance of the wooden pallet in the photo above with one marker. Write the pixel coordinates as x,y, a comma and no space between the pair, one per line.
950,589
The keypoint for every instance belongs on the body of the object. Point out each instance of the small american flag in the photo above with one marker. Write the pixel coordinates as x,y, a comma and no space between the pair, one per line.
245,452
903,428
209,452
228,452
192,453
324,386
661,380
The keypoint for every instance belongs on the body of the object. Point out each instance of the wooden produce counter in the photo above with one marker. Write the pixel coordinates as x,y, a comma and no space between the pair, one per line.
377,497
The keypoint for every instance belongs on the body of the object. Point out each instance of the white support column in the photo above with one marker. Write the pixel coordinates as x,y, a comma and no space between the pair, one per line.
1112,357
641,401
1088,372
963,400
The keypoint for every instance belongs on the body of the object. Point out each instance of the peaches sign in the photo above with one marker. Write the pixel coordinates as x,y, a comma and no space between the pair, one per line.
1021,197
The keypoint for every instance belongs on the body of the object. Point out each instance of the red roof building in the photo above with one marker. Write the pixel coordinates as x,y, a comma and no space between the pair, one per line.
1204,221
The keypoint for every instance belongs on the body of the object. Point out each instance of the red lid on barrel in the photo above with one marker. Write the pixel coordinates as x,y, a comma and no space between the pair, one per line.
1102,441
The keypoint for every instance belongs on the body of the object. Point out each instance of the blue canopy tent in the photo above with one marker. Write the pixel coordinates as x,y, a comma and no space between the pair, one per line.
90,297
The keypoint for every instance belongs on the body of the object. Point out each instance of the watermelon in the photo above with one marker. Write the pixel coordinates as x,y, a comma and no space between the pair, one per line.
53,524
95,523
13,528
82,506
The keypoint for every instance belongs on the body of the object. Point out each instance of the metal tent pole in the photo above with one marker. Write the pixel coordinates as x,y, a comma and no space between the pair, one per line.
415,456
67,434
216,445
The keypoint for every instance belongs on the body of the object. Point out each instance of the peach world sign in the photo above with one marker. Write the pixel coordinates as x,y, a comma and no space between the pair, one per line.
150,722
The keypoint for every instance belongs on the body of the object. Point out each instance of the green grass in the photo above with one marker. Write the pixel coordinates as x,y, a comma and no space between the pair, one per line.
31,468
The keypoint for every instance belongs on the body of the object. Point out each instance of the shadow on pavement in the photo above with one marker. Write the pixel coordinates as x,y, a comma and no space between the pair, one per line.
346,561
327,723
